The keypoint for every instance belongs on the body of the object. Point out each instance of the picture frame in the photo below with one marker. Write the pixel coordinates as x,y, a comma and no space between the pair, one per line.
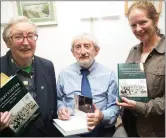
157,4
39,12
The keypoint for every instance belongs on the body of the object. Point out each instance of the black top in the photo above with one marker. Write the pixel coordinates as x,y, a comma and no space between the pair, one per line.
45,88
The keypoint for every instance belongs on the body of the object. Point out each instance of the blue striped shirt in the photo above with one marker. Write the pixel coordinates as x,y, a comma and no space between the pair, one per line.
103,86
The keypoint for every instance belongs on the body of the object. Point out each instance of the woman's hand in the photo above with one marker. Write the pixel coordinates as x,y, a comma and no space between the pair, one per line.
126,103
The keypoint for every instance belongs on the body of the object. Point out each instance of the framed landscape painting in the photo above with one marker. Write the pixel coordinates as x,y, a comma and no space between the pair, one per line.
39,12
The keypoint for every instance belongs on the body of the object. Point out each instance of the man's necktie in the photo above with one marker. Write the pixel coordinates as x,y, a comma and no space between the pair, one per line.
85,86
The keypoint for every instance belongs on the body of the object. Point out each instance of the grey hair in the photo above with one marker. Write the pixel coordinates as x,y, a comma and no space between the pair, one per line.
15,20
88,36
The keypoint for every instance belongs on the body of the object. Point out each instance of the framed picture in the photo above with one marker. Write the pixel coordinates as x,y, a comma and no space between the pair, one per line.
157,4
39,12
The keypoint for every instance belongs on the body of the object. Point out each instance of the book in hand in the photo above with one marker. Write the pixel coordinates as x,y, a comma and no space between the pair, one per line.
18,101
83,103
77,124
132,82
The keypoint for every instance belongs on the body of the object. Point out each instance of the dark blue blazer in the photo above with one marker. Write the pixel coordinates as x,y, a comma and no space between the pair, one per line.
45,87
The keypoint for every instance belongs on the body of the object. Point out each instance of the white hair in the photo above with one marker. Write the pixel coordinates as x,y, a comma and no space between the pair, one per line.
15,20
85,35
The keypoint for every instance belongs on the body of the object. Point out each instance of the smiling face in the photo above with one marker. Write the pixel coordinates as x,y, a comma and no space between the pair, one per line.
84,51
22,50
142,26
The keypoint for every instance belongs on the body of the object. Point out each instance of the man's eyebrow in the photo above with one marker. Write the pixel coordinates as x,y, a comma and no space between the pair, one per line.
31,33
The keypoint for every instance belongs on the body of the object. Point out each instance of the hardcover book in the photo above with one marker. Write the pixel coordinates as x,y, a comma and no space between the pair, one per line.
132,82
77,124
18,101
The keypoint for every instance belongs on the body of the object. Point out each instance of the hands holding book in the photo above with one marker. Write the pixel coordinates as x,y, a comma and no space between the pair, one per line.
95,118
4,120
126,103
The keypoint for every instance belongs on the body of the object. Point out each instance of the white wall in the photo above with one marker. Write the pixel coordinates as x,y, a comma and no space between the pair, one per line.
115,36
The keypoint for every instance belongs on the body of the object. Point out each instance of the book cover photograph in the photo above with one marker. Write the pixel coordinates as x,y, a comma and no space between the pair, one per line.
132,82
83,103
18,101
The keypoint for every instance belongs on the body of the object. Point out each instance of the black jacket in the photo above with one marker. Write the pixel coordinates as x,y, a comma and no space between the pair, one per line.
45,87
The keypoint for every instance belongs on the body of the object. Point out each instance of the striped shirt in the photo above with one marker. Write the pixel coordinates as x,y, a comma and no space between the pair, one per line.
103,86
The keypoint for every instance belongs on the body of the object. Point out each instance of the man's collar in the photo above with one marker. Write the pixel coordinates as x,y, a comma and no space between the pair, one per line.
14,67
92,67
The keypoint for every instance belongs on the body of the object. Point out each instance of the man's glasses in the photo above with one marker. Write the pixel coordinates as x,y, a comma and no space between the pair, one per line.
20,38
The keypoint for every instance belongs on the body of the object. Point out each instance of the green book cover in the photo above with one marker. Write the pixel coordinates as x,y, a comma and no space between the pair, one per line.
132,82
18,101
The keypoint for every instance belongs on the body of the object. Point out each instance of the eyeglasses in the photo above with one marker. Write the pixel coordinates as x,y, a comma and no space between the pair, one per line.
20,38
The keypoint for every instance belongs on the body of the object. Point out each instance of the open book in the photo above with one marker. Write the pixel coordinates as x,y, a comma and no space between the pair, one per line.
18,101
77,124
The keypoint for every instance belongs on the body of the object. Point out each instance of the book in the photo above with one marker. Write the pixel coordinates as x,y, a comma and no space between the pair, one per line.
77,124
17,100
132,82
4,79
83,103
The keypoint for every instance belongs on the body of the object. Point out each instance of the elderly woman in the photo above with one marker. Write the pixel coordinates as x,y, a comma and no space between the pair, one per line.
149,118
20,36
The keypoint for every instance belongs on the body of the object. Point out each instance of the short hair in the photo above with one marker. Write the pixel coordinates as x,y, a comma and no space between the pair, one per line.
85,35
149,8
15,20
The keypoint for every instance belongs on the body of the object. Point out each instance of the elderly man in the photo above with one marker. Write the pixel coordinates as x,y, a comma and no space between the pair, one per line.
20,36
89,78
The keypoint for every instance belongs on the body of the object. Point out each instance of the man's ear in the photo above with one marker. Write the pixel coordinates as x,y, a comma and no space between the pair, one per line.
97,49
72,51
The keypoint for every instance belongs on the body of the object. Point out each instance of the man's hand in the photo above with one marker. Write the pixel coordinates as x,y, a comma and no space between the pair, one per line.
94,119
64,113
126,103
4,120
